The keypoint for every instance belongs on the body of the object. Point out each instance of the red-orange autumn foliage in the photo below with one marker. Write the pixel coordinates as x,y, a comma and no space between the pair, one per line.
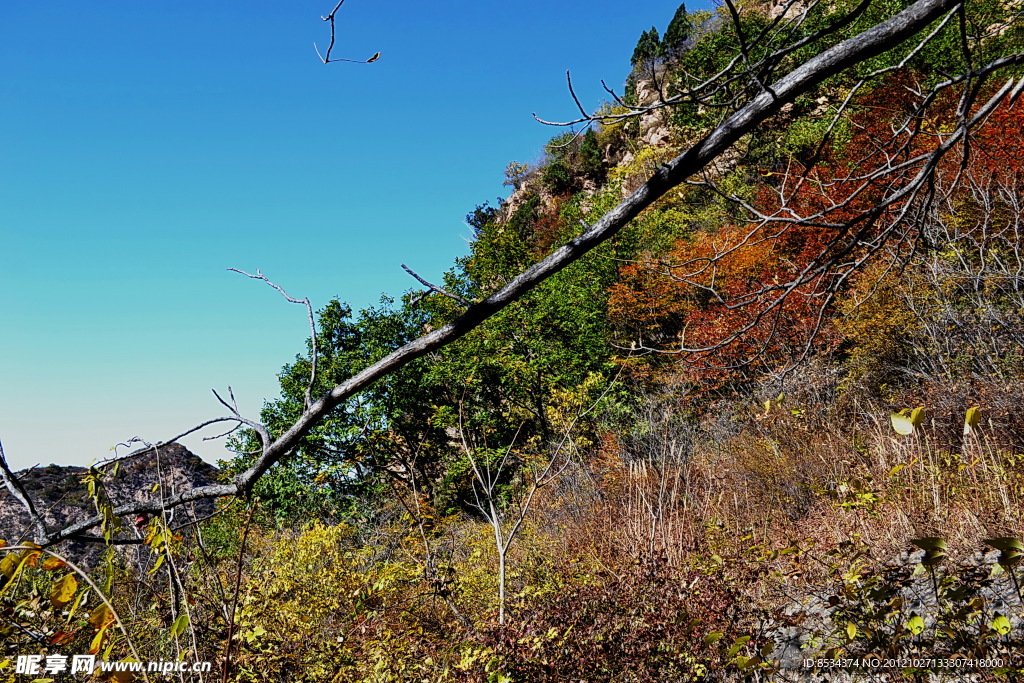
757,294
730,305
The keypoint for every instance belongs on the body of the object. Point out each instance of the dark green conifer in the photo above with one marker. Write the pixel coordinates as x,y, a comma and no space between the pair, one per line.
648,48
678,33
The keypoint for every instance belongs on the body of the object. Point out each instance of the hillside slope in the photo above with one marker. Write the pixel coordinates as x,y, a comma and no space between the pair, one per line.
774,419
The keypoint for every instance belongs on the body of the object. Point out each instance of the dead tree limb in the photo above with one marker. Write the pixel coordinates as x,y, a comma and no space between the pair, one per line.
326,57
312,331
19,493
434,288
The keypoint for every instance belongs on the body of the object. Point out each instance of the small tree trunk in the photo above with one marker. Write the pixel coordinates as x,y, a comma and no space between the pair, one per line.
502,547
501,586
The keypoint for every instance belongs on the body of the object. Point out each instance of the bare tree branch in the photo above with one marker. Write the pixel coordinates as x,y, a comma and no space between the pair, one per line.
326,57
21,495
312,326
435,288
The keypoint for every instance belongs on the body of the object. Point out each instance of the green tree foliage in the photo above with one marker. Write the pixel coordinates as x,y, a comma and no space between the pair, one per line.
677,35
385,431
573,160
648,48
480,216
494,388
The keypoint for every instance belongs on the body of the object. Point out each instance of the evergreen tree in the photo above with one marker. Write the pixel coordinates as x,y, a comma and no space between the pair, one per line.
648,48
678,33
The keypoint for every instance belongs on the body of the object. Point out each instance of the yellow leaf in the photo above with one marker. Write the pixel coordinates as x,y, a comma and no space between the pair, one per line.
63,590
61,638
1005,543
101,617
179,625
930,543
747,662
97,642
971,419
917,416
8,564
901,423
51,563
31,556
76,605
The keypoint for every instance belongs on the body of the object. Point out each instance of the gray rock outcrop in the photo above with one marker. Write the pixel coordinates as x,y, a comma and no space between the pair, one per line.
61,496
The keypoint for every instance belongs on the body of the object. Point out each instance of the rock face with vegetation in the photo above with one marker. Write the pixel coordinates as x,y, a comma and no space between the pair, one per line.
62,494
776,418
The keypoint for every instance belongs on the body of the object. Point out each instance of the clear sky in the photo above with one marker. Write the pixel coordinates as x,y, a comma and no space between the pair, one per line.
147,147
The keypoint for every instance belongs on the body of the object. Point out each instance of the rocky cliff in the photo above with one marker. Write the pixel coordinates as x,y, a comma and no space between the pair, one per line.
61,494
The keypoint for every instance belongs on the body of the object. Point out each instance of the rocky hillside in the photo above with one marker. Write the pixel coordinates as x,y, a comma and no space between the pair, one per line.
691,455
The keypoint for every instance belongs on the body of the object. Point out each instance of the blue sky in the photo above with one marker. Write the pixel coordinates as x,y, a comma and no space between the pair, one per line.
147,147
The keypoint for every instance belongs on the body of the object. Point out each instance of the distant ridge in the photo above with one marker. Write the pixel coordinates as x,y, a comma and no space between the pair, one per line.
60,495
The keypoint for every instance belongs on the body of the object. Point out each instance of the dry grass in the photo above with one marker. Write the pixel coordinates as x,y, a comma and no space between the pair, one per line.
790,474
